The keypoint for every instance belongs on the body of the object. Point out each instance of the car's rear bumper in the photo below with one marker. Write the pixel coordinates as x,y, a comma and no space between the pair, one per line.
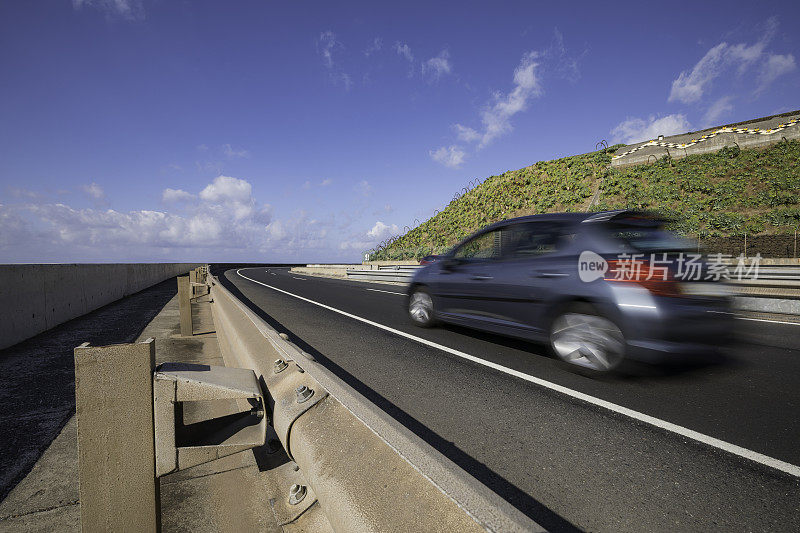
657,351
680,330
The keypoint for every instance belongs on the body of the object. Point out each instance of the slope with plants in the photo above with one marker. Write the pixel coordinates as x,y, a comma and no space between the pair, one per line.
727,193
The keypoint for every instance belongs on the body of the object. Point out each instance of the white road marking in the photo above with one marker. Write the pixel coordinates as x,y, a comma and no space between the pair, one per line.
755,319
387,292
765,460
304,279
765,320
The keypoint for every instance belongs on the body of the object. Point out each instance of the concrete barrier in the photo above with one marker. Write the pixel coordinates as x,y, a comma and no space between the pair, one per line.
36,298
366,471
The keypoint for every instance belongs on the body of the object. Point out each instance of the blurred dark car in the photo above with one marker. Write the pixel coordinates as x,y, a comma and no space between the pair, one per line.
600,288
428,259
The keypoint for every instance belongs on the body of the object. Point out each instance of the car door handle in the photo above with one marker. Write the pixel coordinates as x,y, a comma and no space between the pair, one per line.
480,277
550,274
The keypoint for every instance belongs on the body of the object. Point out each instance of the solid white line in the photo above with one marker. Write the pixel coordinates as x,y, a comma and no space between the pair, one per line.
387,292
765,320
755,319
765,460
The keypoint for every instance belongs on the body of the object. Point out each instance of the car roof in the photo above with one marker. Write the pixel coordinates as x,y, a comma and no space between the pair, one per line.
600,216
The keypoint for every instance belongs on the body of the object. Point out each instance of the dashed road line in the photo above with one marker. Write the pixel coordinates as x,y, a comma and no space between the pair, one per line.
387,292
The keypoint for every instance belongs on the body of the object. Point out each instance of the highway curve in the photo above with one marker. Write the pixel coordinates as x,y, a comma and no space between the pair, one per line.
613,460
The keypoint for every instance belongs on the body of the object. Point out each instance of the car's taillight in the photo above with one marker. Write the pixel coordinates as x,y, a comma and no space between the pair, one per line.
656,279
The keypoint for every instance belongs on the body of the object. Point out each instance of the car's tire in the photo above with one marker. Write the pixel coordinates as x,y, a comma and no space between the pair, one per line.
581,336
420,308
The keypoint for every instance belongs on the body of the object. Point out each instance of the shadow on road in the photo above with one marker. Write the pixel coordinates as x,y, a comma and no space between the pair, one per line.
630,371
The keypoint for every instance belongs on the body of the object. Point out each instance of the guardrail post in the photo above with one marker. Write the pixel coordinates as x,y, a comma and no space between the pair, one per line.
193,280
116,451
185,290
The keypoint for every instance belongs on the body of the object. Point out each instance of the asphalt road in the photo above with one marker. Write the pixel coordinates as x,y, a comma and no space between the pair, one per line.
568,463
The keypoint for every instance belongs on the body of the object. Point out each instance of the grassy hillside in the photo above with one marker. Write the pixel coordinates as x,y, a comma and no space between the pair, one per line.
727,193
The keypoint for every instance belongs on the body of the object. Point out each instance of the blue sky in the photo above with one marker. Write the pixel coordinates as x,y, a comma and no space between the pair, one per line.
136,130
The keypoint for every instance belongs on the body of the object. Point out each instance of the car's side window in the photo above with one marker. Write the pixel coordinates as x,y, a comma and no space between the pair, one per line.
486,246
534,240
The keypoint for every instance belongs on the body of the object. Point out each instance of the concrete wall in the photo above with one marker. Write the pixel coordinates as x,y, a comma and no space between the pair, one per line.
35,298
644,152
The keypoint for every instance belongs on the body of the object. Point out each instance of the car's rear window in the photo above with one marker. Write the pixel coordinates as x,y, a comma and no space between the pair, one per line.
646,235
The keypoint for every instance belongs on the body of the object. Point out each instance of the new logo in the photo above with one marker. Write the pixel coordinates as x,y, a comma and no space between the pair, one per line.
591,266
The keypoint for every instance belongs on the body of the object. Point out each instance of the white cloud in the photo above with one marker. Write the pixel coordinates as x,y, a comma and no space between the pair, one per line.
691,85
127,9
497,116
18,192
208,167
94,191
225,217
232,195
404,50
774,67
222,222
326,44
566,65
635,130
466,134
342,78
231,152
718,109
375,46
438,66
381,231
176,195
307,185
363,188
450,156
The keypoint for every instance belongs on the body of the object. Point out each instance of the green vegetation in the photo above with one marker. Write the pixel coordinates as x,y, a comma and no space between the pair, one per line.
726,193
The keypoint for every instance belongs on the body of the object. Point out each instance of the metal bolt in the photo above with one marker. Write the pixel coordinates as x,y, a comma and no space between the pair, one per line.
303,393
280,365
284,336
297,493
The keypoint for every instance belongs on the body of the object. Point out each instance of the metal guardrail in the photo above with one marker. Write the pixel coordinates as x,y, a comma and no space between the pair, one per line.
404,268
772,281
397,276
366,470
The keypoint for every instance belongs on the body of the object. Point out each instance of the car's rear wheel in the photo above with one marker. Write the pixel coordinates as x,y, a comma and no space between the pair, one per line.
420,308
582,337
